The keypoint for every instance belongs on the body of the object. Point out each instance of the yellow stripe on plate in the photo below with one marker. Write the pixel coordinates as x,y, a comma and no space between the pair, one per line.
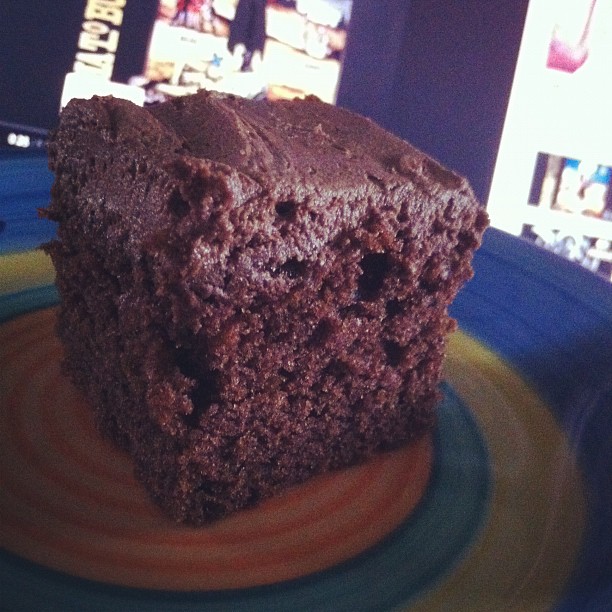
21,271
528,547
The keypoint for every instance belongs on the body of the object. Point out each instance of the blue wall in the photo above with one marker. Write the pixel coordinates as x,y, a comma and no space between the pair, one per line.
437,73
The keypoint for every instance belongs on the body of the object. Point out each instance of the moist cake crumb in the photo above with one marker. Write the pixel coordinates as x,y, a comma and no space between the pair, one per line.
252,292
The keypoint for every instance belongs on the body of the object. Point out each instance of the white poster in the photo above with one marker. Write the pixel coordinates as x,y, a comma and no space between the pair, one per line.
553,172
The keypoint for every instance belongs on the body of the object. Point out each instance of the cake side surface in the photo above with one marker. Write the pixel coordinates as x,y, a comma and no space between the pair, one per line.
252,293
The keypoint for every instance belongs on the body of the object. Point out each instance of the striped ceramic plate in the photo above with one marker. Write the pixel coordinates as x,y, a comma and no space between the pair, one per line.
507,505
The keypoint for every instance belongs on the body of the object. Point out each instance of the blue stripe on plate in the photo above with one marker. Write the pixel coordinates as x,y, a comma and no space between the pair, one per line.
26,182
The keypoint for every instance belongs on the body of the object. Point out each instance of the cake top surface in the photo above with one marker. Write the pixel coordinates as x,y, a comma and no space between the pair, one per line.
280,145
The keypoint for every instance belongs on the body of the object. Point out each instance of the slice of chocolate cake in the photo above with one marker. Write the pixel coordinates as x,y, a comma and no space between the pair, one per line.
252,292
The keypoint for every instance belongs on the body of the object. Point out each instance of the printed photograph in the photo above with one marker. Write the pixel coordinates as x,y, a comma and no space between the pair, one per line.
252,48
580,188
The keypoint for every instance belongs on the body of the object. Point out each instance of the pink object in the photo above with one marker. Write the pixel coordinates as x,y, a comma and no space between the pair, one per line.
567,57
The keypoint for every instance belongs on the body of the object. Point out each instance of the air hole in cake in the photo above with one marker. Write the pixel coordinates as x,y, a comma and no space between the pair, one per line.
481,222
375,267
132,169
456,265
403,235
352,310
204,394
177,204
393,308
321,333
206,388
148,186
286,210
255,242
372,224
293,268
449,211
438,226
394,352
466,241
204,296
376,180
286,374
336,369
